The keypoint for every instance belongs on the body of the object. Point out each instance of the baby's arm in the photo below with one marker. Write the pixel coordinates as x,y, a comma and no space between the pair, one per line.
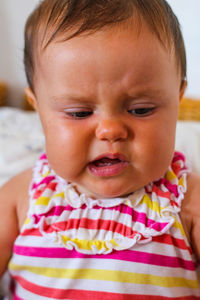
12,194
191,211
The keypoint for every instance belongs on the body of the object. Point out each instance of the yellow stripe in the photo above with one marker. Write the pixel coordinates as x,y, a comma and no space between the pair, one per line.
108,275
87,245
45,200
61,194
27,221
46,174
181,181
179,226
170,175
154,206
42,201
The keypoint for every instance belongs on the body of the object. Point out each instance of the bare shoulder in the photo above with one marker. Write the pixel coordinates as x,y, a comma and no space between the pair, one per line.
13,208
193,193
16,185
191,210
15,191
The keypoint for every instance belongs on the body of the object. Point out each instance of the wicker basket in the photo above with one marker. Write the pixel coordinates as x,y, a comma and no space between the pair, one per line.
189,110
3,93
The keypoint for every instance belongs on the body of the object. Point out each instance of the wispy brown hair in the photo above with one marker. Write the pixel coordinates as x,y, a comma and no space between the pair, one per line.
69,18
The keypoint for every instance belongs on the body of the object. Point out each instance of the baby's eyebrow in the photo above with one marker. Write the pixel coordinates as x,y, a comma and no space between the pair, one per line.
75,99
69,97
146,94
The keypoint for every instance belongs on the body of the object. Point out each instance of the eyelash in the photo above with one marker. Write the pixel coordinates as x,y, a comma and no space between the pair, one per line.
79,114
142,112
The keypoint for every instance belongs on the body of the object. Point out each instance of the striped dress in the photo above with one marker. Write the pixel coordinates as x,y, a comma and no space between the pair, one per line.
74,247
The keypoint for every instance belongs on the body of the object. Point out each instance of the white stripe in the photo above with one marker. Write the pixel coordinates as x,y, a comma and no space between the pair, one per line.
163,249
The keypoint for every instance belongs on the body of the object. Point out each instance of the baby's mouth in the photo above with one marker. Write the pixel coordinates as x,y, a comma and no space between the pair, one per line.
106,162
108,165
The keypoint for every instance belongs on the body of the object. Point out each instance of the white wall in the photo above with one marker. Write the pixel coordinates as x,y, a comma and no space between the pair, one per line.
187,12
13,14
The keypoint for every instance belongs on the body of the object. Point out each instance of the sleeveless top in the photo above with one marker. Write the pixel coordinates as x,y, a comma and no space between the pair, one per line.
75,247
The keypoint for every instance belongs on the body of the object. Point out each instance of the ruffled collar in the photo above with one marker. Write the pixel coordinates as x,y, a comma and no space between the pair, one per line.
91,226
76,200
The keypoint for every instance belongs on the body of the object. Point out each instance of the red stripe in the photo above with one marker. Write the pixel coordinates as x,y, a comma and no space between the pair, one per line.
87,295
160,193
90,224
170,240
51,185
32,232
108,225
136,216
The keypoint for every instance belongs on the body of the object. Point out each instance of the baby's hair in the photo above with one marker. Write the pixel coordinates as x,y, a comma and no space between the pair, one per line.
69,18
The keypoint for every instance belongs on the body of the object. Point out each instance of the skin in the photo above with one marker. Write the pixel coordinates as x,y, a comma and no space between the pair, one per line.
126,88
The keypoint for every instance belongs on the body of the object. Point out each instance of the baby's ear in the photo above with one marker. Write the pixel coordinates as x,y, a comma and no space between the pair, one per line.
30,97
182,88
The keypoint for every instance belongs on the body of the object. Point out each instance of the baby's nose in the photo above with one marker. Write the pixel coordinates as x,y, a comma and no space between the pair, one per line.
111,130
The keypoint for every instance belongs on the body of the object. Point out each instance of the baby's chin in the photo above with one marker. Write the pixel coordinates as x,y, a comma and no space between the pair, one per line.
103,194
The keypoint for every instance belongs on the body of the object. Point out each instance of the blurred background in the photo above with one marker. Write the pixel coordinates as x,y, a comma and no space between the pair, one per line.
21,138
13,14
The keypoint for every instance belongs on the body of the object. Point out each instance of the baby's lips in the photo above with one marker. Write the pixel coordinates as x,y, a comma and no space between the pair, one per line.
108,165
108,155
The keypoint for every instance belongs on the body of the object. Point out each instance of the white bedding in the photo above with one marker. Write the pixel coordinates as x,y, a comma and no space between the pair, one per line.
22,140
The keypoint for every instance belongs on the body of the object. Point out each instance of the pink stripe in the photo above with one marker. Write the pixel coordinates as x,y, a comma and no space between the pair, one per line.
125,255
178,156
54,211
173,188
43,156
46,180
15,297
136,216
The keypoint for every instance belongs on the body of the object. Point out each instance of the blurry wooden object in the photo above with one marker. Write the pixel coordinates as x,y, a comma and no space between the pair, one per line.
189,110
3,93
26,105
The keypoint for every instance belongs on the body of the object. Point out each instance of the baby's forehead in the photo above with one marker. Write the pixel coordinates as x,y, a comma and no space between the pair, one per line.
132,32
55,20
107,56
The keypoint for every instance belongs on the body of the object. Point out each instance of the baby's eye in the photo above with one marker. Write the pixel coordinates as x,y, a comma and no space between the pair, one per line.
143,111
78,114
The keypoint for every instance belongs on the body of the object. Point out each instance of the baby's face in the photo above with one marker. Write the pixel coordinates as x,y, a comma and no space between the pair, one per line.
108,103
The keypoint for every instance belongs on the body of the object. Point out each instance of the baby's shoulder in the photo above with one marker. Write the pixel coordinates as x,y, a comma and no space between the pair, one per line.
191,202
192,196
190,210
15,192
17,184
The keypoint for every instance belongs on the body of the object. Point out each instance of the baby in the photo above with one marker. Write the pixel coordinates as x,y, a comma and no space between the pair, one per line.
110,210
